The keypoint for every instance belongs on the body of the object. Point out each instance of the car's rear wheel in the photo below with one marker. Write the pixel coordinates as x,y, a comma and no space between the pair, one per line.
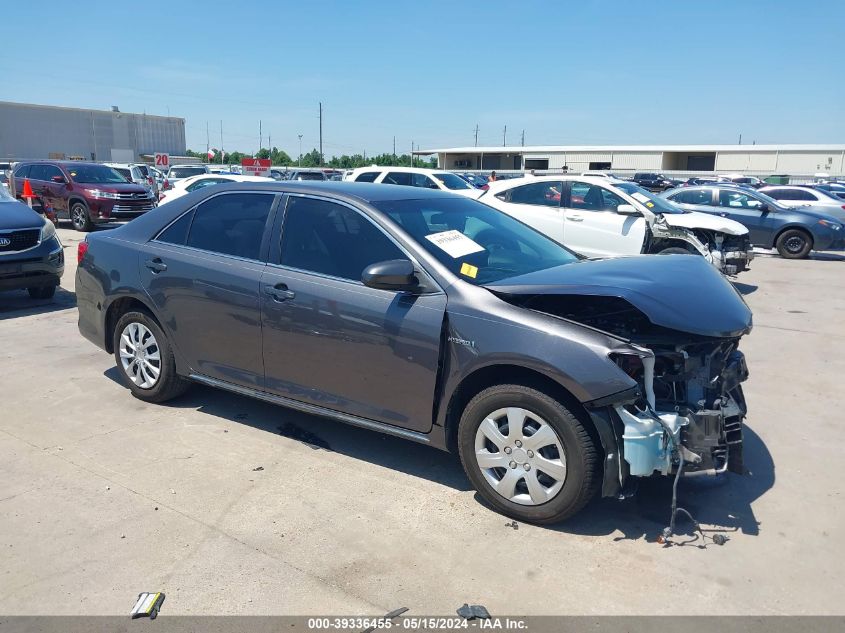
145,358
79,217
794,244
527,454
43,292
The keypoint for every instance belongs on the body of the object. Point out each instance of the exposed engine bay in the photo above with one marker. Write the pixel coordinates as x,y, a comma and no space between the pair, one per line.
691,404
730,254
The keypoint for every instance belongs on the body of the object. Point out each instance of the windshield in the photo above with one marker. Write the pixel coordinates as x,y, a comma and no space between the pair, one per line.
451,181
185,172
310,175
655,203
95,174
474,241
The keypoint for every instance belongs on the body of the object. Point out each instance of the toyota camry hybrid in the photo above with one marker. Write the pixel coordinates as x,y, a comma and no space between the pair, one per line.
435,318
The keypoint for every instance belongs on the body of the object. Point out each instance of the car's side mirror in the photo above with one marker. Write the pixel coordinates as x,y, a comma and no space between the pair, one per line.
394,274
627,209
763,208
58,179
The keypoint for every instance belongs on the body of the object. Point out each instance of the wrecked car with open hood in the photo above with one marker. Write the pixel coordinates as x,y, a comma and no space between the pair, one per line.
434,318
606,217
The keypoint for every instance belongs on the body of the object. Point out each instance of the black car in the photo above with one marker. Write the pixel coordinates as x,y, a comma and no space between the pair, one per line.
436,318
655,181
31,255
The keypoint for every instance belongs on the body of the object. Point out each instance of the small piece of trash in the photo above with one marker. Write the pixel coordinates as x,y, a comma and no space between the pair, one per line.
122,536
156,508
257,468
468,612
512,524
173,492
60,448
108,487
225,430
147,605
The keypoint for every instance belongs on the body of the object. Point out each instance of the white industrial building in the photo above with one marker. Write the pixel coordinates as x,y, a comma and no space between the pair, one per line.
798,160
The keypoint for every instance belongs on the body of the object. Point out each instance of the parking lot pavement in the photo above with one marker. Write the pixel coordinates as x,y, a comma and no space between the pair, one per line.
235,506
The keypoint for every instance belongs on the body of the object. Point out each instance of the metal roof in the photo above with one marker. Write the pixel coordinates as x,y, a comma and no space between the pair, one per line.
561,149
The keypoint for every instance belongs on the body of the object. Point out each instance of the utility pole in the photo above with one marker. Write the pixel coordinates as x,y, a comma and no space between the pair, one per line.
740,138
476,134
321,133
221,141
412,153
260,136
300,149
207,142
505,137
394,148
523,138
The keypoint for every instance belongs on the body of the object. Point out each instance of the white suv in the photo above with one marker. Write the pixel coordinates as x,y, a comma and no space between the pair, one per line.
414,177
598,217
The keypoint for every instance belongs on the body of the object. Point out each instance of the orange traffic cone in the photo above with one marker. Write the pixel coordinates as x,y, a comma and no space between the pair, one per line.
27,192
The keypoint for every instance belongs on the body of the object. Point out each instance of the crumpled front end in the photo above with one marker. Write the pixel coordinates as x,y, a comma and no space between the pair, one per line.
729,253
691,410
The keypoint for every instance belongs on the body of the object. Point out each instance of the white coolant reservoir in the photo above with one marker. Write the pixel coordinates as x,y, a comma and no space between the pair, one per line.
644,441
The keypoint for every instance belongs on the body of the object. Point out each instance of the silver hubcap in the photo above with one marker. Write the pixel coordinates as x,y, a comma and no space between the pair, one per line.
140,355
520,456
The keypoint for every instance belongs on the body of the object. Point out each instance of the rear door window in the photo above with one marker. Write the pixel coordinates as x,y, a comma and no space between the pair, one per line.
231,224
546,194
589,197
397,178
695,196
367,176
39,172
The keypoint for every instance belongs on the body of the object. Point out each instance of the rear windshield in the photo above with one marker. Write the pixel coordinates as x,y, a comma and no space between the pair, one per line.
143,169
451,181
127,174
310,175
185,172
95,174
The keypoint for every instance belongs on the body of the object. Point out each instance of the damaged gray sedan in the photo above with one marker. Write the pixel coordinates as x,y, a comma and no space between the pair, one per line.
434,318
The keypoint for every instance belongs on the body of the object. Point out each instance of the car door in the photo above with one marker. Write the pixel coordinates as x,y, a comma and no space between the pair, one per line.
593,227
536,204
333,342
54,187
203,274
748,210
38,178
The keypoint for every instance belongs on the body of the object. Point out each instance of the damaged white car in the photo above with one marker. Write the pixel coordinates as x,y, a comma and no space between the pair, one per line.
597,217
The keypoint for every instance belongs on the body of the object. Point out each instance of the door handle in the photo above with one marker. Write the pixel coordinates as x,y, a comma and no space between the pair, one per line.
575,218
156,265
279,292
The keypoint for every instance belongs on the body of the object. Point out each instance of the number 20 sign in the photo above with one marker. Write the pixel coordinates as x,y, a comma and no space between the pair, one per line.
162,161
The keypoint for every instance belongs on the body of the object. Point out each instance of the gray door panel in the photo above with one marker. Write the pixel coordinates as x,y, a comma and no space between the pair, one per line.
341,345
210,305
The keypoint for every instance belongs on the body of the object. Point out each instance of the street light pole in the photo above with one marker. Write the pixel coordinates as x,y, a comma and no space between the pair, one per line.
300,150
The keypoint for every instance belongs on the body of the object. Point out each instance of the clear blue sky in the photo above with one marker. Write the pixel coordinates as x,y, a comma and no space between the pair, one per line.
581,72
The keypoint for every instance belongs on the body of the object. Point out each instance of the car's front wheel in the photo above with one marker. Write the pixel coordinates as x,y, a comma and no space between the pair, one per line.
79,217
794,244
527,454
145,358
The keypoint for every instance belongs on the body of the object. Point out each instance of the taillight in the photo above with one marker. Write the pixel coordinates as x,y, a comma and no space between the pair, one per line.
81,249
161,196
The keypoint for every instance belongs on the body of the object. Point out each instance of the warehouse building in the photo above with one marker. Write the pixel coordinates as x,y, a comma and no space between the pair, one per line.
38,131
693,159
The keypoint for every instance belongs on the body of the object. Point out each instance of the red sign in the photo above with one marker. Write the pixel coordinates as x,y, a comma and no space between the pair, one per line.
256,166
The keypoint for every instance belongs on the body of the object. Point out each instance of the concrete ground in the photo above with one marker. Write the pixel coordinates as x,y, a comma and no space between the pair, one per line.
233,506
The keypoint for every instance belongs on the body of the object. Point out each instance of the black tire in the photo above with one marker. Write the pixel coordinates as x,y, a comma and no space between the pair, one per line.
169,384
42,292
80,218
582,459
674,250
794,244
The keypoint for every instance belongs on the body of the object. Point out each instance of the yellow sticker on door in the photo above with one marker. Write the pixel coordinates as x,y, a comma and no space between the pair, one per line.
469,270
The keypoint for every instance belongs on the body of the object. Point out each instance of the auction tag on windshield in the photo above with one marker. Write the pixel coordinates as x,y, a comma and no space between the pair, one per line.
640,197
455,243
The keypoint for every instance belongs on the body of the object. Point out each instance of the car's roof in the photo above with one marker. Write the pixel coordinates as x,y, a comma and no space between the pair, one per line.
362,191
499,185
411,170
